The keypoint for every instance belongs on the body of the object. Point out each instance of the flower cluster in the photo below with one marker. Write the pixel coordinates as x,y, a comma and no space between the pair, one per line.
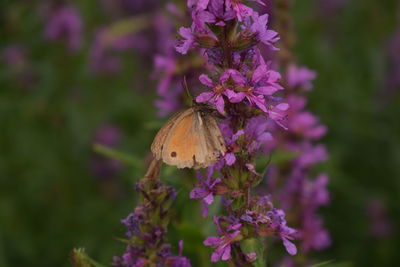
147,226
244,88
64,23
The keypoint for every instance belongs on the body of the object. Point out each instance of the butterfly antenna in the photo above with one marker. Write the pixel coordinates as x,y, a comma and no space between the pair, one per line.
185,85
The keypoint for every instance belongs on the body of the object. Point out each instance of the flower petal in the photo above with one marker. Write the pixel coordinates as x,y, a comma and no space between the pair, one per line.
203,97
204,79
226,253
198,192
230,158
212,241
209,198
290,247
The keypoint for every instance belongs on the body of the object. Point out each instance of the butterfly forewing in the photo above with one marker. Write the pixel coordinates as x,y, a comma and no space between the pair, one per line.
158,142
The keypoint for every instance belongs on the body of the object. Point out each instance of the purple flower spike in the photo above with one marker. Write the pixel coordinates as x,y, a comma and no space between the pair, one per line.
205,190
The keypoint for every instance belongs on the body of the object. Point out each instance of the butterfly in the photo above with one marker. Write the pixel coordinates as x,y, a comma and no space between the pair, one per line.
190,139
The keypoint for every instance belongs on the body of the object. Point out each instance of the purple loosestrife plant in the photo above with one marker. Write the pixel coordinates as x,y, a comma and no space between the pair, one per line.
147,226
243,87
291,179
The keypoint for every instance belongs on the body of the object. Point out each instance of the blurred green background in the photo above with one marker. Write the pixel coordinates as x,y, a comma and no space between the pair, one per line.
53,108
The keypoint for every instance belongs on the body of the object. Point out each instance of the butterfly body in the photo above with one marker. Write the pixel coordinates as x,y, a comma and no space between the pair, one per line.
190,139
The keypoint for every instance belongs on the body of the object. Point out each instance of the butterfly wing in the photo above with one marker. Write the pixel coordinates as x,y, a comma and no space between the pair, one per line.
158,142
181,143
215,141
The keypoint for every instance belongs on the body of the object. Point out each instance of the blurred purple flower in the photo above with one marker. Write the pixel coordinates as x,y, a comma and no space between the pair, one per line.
14,56
303,123
108,135
188,41
310,154
300,77
241,10
65,23
223,243
381,225
257,135
278,223
105,48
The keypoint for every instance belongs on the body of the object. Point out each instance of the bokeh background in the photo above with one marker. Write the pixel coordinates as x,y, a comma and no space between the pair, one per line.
58,98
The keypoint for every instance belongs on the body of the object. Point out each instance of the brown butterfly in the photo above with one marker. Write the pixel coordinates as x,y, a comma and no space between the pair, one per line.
190,139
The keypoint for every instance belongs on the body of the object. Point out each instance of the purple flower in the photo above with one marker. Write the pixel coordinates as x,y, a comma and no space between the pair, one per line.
262,83
14,56
300,77
230,141
313,234
223,243
65,23
220,14
198,4
205,190
278,223
311,154
188,41
241,10
380,224
257,136
108,135
216,96
133,221
171,260
103,57
259,27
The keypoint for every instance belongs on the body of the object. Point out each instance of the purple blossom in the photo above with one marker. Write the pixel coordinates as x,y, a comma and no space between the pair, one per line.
278,223
14,56
259,27
65,23
311,154
241,10
223,243
205,189
300,77
216,96
313,233
188,41
103,167
257,134
220,14
106,45
108,135
198,4
380,224
263,83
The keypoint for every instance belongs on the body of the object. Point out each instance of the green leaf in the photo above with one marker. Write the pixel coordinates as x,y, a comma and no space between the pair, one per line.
79,258
117,155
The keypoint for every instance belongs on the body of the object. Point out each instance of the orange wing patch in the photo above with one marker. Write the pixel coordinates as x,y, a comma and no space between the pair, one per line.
180,145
